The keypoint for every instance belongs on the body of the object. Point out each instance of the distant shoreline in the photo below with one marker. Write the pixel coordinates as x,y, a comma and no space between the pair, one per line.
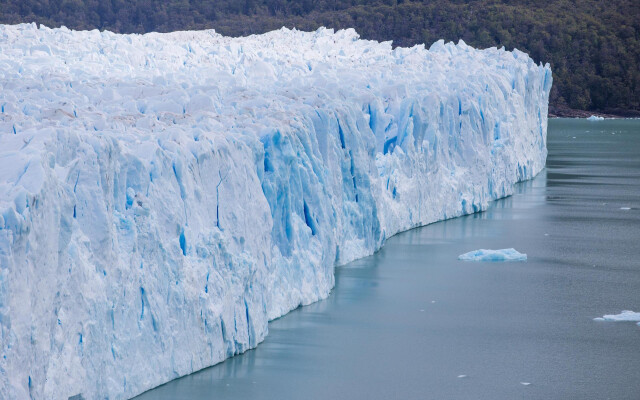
565,112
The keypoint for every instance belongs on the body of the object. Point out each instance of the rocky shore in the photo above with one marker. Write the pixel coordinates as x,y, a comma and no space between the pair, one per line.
566,112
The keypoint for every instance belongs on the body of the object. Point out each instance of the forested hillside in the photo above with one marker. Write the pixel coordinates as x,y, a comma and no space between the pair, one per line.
593,46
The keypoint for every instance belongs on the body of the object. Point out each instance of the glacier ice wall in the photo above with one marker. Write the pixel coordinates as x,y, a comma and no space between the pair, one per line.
162,197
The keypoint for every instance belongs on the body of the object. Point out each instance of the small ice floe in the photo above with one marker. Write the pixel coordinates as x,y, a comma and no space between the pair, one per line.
625,208
595,118
525,383
625,315
433,301
493,255
462,376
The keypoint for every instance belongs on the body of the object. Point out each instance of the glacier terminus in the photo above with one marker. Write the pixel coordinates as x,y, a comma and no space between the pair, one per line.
164,196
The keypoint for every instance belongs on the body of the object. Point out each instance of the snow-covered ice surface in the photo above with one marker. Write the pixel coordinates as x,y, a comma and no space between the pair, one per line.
493,255
162,197
625,315
595,118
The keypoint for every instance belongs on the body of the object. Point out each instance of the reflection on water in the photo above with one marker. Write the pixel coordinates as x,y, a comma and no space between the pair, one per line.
407,321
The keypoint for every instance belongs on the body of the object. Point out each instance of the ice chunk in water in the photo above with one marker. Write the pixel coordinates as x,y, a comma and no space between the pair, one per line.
625,315
493,255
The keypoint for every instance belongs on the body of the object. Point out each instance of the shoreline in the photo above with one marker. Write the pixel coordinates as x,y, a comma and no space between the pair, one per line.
564,112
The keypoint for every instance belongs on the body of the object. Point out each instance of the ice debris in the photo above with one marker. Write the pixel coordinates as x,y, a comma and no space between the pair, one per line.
595,118
625,315
493,255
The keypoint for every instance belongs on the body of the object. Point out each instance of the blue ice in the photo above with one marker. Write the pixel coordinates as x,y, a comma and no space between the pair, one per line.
493,255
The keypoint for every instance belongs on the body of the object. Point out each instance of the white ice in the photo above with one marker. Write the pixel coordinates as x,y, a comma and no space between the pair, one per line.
625,315
595,118
163,196
493,255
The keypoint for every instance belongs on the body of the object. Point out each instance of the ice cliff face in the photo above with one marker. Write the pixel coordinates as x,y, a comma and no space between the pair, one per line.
162,197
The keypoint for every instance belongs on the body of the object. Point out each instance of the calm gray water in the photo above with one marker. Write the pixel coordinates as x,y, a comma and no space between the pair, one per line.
407,321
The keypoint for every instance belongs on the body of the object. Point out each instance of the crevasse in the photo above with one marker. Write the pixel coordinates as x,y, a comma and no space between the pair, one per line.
163,196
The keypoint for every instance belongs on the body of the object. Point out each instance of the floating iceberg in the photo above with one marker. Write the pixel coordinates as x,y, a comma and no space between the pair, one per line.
595,118
493,255
163,196
625,315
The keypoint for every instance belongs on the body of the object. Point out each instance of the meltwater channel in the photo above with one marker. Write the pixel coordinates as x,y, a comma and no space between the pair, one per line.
413,322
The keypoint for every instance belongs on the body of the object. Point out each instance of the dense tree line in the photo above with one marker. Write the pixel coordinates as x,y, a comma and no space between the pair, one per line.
593,46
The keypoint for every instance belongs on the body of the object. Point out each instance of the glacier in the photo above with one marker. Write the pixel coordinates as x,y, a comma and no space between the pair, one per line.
164,196
493,255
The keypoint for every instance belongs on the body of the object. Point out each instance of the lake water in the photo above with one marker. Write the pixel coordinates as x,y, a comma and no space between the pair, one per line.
406,322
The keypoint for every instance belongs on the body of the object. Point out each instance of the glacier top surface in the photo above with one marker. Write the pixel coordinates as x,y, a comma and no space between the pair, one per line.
178,88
